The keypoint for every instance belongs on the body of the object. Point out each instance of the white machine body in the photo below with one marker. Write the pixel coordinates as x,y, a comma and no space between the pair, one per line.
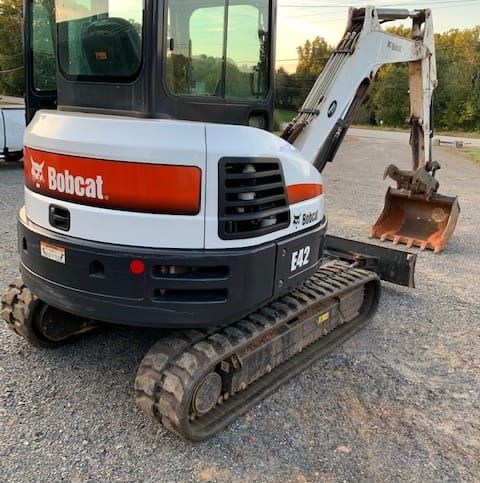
199,147
174,223
164,143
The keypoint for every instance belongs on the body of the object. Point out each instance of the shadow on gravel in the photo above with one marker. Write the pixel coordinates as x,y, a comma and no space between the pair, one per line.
110,341
11,166
103,363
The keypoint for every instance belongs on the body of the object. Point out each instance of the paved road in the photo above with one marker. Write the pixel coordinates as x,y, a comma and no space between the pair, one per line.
20,101
11,102
400,401
404,137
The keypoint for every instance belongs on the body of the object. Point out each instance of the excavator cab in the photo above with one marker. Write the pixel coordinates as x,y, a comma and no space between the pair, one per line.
196,60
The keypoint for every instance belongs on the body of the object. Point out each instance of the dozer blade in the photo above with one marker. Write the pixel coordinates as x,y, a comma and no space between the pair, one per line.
417,220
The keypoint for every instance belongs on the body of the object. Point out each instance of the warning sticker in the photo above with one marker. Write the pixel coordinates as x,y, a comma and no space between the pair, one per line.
323,318
52,252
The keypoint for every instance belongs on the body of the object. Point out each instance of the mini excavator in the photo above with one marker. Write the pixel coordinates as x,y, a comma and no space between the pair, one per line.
157,196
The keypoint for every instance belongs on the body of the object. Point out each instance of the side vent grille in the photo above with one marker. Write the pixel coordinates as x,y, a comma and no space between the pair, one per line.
252,198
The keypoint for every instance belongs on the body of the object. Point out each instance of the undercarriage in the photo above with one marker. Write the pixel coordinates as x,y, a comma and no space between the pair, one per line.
197,381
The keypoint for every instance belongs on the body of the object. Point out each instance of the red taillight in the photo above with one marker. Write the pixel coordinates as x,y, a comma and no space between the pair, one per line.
137,267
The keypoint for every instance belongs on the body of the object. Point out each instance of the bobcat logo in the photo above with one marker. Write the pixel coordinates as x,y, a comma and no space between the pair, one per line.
296,220
37,173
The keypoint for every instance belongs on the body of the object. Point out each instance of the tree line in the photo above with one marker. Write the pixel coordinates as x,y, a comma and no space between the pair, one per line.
456,100
11,48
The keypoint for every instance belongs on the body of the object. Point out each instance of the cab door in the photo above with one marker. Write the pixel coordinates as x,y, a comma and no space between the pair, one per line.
40,56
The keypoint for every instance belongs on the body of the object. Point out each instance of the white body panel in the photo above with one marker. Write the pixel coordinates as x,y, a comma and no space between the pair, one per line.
241,141
12,129
120,139
161,142
120,227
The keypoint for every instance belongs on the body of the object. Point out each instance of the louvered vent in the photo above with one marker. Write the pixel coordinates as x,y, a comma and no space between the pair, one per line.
252,198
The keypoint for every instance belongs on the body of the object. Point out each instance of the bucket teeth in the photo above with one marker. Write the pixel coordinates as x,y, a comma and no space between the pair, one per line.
417,220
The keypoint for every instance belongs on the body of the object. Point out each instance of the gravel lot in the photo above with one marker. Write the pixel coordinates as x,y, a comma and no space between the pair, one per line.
400,401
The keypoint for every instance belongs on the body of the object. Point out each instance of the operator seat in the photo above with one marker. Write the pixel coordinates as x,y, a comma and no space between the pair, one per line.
112,47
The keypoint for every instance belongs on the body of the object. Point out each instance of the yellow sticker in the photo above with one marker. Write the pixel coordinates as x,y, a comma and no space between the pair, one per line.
101,55
323,318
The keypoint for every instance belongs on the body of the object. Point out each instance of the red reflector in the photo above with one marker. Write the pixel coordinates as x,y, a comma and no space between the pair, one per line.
137,267
302,192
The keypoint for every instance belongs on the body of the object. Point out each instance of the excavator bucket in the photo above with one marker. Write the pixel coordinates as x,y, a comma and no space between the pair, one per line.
417,220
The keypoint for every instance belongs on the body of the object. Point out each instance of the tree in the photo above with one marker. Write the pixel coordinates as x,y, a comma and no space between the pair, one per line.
293,88
11,47
389,97
457,100
286,91
312,57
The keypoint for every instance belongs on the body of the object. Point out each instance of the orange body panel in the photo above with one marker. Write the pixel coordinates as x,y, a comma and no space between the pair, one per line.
153,188
300,192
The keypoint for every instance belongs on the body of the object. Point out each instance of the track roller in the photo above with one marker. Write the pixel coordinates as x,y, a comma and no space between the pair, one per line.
197,382
40,324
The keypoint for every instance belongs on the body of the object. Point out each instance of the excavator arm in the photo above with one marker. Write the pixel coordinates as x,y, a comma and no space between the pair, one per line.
339,90
321,124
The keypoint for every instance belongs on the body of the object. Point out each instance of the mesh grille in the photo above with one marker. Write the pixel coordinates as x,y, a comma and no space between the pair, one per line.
252,198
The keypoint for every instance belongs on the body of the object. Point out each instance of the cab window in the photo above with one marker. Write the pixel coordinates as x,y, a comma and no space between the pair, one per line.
100,39
43,45
218,48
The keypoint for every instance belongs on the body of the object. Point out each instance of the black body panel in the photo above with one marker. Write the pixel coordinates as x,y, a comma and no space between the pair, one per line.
395,266
225,285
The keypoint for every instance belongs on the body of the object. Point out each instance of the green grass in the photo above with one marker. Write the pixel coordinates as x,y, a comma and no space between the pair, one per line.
283,115
474,153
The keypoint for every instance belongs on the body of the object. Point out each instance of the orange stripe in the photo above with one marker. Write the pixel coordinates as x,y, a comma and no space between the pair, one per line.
301,192
152,188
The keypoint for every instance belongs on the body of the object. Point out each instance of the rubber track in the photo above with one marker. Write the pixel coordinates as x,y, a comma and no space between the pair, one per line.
23,311
168,375
18,305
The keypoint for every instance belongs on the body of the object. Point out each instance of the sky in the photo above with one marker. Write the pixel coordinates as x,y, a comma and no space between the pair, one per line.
299,20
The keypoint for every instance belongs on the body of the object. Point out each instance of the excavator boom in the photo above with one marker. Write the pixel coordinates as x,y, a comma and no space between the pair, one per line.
414,213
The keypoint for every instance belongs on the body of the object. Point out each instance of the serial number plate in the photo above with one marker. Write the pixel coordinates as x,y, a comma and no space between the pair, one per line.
52,252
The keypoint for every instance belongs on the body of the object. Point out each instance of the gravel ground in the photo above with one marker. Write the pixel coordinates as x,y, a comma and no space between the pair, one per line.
400,401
